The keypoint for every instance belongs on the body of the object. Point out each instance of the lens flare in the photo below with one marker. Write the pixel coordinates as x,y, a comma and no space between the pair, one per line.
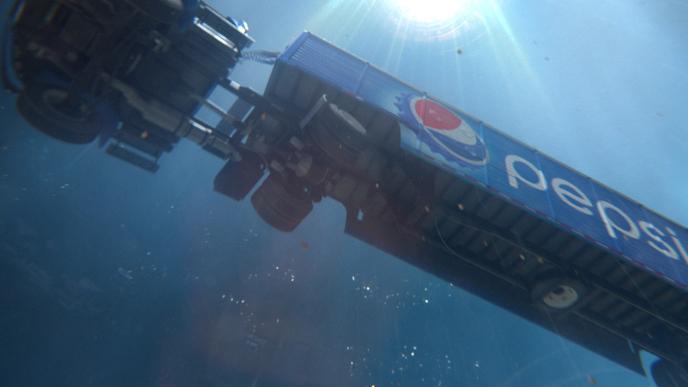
432,20
430,11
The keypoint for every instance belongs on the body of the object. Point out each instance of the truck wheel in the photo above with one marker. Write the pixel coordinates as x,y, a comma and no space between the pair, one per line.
280,204
167,11
47,108
238,178
338,134
558,293
667,374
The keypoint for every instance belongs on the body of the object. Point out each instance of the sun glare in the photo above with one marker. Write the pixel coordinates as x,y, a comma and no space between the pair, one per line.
430,11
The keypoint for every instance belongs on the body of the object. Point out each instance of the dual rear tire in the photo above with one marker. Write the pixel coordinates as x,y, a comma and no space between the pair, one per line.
51,110
281,204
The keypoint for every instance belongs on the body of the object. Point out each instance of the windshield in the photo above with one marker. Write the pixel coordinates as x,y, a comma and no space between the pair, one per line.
115,276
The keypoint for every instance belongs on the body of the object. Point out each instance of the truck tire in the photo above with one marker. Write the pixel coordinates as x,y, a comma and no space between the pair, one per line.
43,106
166,11
238,178
667,374
281,205
558,293
338,135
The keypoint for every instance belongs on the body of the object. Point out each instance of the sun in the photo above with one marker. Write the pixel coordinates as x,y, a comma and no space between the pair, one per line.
430,11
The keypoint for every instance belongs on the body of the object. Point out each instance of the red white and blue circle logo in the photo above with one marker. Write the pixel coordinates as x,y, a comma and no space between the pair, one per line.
445,132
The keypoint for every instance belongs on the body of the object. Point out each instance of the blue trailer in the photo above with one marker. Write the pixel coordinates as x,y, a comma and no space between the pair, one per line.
452,195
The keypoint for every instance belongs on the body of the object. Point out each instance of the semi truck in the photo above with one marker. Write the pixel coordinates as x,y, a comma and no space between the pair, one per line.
420,179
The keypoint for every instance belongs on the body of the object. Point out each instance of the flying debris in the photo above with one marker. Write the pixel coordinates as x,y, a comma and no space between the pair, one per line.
125,273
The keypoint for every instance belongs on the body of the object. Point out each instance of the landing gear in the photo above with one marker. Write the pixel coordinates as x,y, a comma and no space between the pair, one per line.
53,111
338,134
281,204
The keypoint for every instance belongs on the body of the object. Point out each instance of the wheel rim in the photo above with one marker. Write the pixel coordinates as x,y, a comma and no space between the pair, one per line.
561,297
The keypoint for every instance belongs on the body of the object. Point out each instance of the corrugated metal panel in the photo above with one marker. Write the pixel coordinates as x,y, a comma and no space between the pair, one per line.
336,67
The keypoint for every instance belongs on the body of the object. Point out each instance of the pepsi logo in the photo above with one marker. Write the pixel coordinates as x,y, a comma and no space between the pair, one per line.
446,133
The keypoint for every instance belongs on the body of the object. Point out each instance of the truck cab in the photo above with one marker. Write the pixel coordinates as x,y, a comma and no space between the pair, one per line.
133,72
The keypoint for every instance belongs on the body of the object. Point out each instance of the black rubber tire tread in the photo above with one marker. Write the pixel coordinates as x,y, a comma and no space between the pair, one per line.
336,136
278,206
34,109
237,178
166,11
667,374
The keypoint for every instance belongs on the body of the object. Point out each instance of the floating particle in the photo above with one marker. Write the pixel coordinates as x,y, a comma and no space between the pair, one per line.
125,273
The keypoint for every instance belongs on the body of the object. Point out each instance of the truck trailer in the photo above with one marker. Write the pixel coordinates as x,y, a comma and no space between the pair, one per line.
450,194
